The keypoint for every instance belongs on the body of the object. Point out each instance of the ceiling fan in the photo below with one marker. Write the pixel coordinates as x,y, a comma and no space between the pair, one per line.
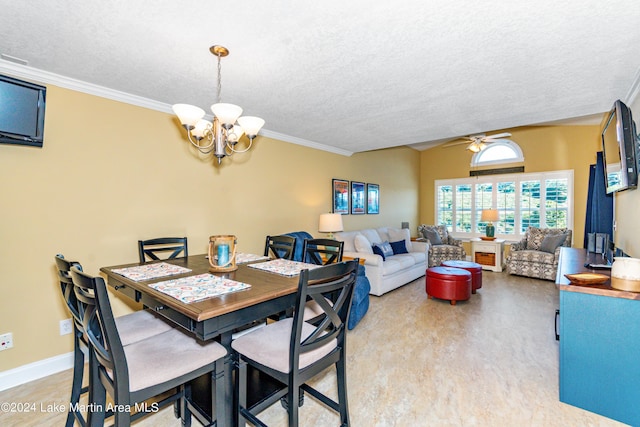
479,142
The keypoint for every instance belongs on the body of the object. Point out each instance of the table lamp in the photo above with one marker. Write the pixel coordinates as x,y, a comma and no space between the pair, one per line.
330,223
488,216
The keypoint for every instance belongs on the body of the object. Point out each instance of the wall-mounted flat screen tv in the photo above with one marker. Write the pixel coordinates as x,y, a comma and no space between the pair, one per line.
619,146
21,112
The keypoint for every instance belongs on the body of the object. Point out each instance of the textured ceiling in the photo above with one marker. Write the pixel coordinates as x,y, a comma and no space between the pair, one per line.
356,75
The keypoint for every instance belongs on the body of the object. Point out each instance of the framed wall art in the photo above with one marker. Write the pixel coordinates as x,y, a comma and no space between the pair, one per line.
358,198
340,196
373,199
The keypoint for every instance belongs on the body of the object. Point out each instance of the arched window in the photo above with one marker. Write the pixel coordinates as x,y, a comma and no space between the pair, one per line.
504,151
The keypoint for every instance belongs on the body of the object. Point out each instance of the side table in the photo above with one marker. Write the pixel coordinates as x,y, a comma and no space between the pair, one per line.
488,253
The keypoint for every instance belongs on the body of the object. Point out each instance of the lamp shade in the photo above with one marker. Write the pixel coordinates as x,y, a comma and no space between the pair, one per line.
330,222
188,114
201,128
226,113
489,215
251,125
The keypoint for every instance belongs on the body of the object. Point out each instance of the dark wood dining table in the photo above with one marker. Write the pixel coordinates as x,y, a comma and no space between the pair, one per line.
217,317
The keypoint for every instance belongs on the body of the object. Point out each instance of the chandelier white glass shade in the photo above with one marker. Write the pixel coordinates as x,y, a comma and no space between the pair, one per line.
220,136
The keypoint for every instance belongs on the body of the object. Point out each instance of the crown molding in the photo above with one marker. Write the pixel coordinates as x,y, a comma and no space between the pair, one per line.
634,90
304,142
45,77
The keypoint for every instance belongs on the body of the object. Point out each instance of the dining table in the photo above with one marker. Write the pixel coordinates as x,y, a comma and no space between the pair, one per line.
215,317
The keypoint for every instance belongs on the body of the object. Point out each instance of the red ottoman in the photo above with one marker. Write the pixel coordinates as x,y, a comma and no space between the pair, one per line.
449,283
472,267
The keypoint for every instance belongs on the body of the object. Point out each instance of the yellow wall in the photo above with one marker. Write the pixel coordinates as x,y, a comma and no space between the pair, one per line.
545,148
111,173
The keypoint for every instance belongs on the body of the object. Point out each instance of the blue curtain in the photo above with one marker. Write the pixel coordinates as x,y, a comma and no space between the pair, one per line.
599,218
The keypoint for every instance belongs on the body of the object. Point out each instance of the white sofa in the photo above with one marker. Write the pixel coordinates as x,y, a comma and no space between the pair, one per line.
396,270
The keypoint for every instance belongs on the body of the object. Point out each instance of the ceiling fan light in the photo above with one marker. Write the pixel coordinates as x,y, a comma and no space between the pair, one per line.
226,113
188,114
473,147
251,125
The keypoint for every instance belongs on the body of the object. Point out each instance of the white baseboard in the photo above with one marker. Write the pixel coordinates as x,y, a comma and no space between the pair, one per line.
36,370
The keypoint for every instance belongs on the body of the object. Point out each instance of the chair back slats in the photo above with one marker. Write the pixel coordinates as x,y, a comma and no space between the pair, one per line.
281,246
100,327
66,286
337,278
162,248
80,341
322,251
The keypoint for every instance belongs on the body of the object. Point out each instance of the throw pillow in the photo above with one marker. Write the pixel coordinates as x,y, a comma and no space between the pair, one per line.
399,247
433,236
396,234
378,251
383,249
551,242
362,245
386,248
535,236
443,232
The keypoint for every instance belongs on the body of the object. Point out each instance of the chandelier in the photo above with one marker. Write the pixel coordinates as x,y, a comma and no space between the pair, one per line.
221,136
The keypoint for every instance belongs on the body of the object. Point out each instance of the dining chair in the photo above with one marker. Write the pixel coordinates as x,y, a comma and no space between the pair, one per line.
137,372
132,327
281,246
322,251
293,351
162,248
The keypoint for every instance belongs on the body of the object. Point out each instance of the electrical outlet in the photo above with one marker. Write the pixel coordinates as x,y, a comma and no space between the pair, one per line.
6,341
66,327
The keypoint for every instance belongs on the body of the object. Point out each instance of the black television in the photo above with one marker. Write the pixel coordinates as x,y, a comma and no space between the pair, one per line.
619,146
21,112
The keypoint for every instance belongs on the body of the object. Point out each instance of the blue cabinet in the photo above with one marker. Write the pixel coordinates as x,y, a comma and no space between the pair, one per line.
600,354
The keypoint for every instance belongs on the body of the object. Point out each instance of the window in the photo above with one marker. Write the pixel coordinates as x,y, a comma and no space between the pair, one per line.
522,200
463,207
503,151
444,205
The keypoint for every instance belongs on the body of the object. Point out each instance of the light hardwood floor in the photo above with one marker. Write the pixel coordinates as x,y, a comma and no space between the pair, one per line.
490,361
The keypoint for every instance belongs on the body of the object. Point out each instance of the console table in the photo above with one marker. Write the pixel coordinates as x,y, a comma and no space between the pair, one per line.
599,343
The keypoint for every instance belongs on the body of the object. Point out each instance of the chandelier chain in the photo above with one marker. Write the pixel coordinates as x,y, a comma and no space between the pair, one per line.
220,136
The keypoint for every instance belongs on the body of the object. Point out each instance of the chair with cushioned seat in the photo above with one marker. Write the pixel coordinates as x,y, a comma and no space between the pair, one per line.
322,251
132,327
293,351
442,246
360,300
537,254
142,370
162,248
280,246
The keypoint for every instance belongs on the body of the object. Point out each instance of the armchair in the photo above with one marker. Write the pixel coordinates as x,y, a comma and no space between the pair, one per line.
536,255
442,246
